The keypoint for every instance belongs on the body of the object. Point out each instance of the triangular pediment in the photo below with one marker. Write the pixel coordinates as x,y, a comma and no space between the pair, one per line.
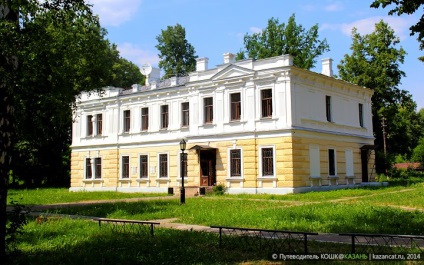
232,71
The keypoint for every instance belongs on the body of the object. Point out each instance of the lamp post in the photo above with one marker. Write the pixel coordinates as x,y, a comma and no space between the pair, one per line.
182,192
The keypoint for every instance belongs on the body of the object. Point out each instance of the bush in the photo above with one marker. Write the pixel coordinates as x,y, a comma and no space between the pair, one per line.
219,189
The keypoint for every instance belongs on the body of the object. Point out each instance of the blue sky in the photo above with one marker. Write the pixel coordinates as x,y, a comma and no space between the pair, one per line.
215,27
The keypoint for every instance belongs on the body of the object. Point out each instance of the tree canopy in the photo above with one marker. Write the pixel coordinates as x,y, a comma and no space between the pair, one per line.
406,7
278,39
375,63
50,51
177,56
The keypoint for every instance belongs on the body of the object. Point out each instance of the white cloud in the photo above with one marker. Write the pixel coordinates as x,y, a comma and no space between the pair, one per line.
138,55
255,29
115,12
336,6
366,26
308,8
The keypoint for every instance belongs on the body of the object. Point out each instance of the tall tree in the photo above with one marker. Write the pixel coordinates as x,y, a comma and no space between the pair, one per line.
374,63
406,7
278,39
61,50
177,55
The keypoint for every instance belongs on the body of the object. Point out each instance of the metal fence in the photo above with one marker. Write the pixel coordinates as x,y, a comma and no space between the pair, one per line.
127,226
260,239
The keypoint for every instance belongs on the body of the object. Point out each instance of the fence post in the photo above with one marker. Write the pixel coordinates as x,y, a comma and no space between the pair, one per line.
151,230
305,240
220,237
353,243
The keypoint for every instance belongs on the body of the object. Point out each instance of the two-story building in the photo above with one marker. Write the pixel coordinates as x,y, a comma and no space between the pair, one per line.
257,126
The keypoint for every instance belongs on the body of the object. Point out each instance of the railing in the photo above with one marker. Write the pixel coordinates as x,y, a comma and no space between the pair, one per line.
181,80
383,243
261,239
125,226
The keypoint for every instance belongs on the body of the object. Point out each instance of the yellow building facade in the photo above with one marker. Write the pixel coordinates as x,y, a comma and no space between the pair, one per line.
261,126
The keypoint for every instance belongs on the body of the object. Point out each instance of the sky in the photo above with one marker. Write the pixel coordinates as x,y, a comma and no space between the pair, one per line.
215,27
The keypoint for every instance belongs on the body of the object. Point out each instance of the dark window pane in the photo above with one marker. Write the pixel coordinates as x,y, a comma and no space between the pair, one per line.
185,115
164,117
267,162
266,98
144,119
235,160
127,121
89,125
331,162
361,115
125,167
208,103
235,107
163,165
328,107
98,166
143,166
88,172
99,124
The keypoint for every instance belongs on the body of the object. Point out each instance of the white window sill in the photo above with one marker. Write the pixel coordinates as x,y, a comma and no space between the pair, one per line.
163,180
235,123
143,180
234,179
125,180
269,178
93,180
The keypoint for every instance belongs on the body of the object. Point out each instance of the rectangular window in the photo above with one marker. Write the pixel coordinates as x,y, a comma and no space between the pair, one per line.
163,165
98,167
127,121
89,125
328,107
266,99
88,170
144,119
361,114
331,162
235,163
99,124
125,167
144,166
208,111
267,162
235,106
185,114
164,117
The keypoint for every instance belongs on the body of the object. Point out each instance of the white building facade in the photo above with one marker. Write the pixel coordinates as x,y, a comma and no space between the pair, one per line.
256,126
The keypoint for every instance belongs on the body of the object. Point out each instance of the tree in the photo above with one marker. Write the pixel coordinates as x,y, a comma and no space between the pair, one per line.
278,39
177,55
374,63
61,50
406,7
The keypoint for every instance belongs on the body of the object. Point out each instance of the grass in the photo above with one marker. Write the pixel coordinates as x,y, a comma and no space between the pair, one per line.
66,241
62,195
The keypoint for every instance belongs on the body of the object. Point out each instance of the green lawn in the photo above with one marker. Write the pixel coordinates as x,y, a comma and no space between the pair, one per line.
62,195
368,210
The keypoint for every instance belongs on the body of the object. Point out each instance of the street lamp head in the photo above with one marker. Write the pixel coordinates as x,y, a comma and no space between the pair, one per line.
183,145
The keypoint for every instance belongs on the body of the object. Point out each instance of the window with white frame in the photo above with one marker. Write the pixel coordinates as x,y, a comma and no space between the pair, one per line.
361,114
164,117
185,114
125,166
89,125
267,161
163,165
144,166
266,103
144,119
328,108
235,102
235,163
127,121
93,167
208,110
332,167
99,121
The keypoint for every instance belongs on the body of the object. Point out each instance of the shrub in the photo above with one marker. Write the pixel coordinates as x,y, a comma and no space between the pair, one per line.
219,189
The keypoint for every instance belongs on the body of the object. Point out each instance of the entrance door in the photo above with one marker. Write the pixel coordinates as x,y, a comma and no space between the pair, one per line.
364,163
207,167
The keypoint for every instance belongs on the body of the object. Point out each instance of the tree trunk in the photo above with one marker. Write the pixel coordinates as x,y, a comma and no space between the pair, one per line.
9,63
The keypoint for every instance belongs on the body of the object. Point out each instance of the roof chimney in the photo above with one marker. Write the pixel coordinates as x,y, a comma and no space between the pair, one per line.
327,68
229,58
202,64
